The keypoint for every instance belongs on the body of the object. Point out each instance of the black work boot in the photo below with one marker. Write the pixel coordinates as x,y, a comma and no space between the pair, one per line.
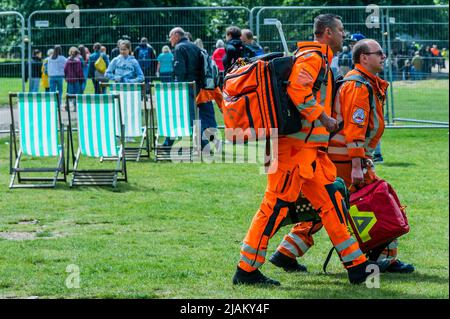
400,267
287,263
358,273
252,278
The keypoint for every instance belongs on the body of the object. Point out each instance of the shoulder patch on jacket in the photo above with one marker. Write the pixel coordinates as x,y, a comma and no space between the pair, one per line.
359,116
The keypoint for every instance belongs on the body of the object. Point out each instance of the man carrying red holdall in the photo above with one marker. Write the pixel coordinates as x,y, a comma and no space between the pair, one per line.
303,164
351,149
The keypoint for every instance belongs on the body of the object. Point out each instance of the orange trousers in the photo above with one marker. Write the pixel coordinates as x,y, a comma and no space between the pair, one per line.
300,237
344,170
306,170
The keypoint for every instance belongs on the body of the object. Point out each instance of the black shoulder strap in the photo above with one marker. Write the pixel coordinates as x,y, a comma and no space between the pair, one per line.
362,80
327,260
322,77
359,79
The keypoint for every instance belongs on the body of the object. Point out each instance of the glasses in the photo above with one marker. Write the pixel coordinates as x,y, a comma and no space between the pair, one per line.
379,53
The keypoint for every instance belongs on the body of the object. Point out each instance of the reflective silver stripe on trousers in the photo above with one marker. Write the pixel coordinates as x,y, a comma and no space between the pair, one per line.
287,245
354,145
299,242
352,256
345,244
253,251
339,138
338,150
252,263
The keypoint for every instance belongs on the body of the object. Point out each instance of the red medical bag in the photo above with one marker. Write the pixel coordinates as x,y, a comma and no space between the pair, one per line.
376,215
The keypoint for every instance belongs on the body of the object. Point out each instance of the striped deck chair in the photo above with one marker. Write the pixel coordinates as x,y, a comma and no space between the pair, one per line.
41,134
97,137
132,99
173,120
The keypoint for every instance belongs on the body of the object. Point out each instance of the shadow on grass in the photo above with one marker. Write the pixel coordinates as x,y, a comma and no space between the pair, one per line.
398,164
122,187
337,286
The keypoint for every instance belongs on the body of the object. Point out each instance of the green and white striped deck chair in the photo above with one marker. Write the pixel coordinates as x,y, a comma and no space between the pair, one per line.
97,137
132,99
41,134
174,121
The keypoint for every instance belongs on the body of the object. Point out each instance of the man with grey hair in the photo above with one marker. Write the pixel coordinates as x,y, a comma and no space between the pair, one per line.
188,67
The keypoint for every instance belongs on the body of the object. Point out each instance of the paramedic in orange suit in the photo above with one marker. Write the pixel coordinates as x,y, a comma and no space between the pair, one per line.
352,149
303,164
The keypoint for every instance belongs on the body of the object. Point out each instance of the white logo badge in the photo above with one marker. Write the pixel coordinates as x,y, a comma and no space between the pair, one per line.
358,116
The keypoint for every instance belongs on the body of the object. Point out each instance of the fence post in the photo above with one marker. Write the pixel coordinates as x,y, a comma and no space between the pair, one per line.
385,71
391,86
22,43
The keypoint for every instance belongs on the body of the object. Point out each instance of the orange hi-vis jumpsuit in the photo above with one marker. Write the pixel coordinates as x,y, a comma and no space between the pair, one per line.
363,123
303,166
363,128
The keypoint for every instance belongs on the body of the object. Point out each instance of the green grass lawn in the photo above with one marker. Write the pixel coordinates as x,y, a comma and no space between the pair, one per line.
174,231
425,100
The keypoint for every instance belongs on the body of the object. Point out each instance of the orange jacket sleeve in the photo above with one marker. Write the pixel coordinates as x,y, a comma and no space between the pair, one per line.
304,73
354,100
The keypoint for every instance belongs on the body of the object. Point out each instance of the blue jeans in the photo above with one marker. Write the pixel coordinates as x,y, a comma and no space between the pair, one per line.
166,77
377,151
84,82
98,89
207,118
73,87
34,84
56,85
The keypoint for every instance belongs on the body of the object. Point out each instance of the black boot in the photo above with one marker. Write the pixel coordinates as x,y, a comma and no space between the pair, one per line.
358,274
252,278
287,263
400,267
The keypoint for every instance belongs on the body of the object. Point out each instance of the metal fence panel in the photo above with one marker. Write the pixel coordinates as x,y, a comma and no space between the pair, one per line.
12,61
107,26
12,31
420,78
421,98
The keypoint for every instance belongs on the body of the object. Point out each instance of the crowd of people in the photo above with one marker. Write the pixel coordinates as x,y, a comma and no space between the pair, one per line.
416,63
123,64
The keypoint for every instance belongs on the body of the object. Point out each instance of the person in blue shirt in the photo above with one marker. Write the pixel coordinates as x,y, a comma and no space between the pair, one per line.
165,65
125,68
96,76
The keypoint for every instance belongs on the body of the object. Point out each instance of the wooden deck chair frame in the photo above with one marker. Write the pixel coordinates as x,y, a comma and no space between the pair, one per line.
163,152
96,177
15,155
134,153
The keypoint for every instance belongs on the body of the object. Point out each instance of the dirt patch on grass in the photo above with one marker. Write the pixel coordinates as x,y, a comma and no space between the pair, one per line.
28,222
17,235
